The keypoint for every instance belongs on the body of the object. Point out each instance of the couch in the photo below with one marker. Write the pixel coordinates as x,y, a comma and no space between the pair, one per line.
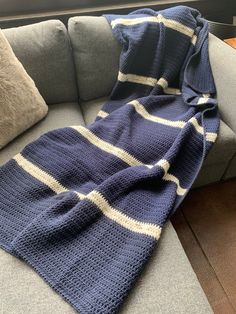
74,71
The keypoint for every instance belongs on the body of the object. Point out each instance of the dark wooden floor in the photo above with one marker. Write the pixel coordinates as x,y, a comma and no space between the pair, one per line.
206,226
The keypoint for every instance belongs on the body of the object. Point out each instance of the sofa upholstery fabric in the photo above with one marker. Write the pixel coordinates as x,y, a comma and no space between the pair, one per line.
167,273
59,116
96,56
231,169
223,61
21,104
45,52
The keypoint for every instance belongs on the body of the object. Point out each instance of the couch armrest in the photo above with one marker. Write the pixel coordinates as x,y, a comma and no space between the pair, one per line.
223,64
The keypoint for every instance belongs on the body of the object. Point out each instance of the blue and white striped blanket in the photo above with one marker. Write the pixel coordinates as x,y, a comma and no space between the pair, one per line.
85,207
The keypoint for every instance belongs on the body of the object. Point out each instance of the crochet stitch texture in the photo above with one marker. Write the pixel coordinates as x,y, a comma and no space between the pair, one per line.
85,206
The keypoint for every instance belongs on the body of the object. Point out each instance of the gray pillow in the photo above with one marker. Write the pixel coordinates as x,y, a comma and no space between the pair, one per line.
21,105
96,55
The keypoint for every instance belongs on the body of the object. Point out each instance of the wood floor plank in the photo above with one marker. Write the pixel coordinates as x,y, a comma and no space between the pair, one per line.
223,308
206,226
205,273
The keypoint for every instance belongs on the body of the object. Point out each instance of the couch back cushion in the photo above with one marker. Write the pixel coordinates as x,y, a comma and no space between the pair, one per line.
45,52
223,61
96,55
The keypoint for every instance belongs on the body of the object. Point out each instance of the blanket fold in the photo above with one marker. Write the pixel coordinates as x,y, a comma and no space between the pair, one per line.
85,206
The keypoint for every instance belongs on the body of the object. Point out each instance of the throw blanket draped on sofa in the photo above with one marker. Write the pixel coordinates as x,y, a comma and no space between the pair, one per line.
85,206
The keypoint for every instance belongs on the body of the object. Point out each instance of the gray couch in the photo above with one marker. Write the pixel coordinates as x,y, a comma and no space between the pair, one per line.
75,72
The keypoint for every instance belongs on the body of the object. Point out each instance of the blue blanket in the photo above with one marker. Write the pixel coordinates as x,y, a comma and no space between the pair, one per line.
85,207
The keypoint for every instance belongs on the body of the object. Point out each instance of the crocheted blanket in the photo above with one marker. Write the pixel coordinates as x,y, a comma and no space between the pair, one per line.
85,206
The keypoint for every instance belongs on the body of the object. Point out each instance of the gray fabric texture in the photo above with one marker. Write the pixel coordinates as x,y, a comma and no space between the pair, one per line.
221,153
91,108
59,115
224,147
223,63
96,55
45,52
167,285
231,169
210,174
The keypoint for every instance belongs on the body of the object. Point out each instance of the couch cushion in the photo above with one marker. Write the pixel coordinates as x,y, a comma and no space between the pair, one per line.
96,55
45,52
91,108
223,60
222,151
59,115
209,174
167,285
224,147
231,169
21,105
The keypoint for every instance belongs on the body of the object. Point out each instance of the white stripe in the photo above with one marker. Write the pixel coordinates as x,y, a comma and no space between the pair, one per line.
125,156
170,177
165,165
146,115
210,136
42,175
102,114
145,80
95,197
197,127
107,147
194,40
140,109
172,91
150,81
133,78
127,222
156,19
204,99
162,82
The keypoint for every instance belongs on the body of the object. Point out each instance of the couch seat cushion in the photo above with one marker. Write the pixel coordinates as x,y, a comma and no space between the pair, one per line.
231,170
222,151
90,109
59,116
224,148
167,285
